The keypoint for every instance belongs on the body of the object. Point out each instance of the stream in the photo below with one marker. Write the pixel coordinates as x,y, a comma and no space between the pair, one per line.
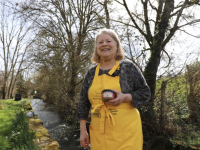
58,129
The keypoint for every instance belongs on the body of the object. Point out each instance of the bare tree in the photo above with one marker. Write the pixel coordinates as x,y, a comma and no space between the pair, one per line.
157,23
66,32
13,45
105,3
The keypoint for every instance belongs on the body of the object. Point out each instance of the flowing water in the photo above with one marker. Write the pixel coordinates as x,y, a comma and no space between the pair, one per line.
58,129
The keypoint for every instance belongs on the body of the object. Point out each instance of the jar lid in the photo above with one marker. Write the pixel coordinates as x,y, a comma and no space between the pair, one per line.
107,90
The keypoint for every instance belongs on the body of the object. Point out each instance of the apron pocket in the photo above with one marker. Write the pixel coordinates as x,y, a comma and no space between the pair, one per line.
120,140
126,139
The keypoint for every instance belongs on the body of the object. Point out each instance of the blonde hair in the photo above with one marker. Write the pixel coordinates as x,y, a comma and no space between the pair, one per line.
120,52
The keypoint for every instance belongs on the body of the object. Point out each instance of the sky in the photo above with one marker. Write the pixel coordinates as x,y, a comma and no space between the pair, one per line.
185,48
182,44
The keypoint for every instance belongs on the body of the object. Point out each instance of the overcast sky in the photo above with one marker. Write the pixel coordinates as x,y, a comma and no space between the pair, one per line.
185,48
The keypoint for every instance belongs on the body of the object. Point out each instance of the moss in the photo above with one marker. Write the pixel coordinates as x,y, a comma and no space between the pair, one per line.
35,122
27,107
52,146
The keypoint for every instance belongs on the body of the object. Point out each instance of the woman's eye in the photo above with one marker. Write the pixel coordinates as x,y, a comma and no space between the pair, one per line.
100,42
109,41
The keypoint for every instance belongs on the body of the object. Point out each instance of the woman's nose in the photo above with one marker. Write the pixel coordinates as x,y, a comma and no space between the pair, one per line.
105,43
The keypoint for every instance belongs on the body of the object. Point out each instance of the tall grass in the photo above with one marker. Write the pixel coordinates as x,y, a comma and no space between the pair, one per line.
14,130
21,137
6,112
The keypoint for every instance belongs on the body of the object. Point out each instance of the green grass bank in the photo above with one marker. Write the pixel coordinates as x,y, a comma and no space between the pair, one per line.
19,132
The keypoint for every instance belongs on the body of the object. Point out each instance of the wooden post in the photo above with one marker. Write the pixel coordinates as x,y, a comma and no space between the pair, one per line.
163,88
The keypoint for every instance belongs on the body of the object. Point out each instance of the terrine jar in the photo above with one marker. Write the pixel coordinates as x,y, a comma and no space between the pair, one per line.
107,95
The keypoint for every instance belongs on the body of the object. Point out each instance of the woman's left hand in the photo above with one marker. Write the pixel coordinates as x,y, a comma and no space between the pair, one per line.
118,100
121,98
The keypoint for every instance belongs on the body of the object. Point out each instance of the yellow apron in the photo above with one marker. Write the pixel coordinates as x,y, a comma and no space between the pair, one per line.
112,127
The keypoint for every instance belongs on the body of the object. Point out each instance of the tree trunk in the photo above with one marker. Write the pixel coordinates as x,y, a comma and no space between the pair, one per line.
162,120
5,88
4,91
151,68
73,78
107,14
150,75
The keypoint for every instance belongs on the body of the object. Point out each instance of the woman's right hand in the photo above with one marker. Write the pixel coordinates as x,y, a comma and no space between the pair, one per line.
84,139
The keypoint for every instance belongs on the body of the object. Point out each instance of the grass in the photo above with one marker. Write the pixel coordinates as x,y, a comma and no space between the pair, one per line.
14,130
7,110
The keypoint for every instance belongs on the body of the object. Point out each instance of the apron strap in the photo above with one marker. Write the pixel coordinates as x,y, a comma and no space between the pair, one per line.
114,68
104,110
110,72
97,70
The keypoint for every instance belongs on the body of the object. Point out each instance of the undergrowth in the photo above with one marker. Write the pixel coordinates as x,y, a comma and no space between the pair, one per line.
14,130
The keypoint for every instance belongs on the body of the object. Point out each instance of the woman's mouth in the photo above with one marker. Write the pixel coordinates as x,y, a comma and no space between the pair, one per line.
105,49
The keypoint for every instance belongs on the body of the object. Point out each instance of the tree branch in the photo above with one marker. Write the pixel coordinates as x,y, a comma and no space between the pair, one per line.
149,35
119,2
127,24
159,12
168,57
175,27
190,23
153,7
189,34
134,22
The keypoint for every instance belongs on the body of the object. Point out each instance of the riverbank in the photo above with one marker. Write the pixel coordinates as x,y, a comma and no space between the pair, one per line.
42,138
60,130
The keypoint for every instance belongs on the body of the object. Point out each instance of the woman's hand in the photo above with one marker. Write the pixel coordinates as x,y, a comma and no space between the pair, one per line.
121,98
84,139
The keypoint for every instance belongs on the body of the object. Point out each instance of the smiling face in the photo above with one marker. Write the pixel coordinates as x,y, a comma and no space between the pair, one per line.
106,46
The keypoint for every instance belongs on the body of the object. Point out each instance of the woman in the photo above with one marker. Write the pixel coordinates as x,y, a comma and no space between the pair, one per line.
116,124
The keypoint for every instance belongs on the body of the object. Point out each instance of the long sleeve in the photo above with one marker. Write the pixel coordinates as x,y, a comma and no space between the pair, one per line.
133,82
84,103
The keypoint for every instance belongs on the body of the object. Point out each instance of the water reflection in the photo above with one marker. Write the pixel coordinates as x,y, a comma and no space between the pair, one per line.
58,129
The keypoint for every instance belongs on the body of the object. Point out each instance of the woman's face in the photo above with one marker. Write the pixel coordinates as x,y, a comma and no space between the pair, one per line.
106,46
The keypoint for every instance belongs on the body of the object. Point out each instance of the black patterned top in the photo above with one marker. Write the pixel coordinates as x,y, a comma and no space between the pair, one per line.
131,81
